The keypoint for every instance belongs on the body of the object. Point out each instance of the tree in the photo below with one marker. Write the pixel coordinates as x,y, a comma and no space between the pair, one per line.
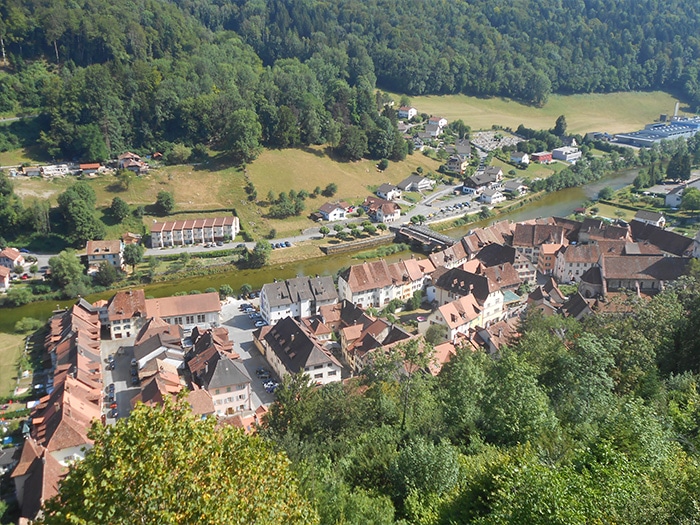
560,126
242,135
679,166
65,268
246,289
606,193
179,154
260,255
225,290
323,230
125,178
353,143
106,275
690,199
330,189
165,202
435,334
133,254
28,324
383,164
164,465
119,209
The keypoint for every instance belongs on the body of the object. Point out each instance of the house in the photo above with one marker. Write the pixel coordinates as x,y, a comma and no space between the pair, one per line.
125,313
451,257
163,383
543,157
132,162
651,217
11,257
460,147
494,337
387,212
505,276
333,211
574,260
4,278
377,283
159,347
299,297
442,354
488,178
111,252
438,121
566,153
673,198
407,112
457,317
416,183
520,157
358,342
450,284
515,187
492,196
494,254
547,258
388,192
55,170
528,238
418,143
577,307
90,168
226,381
290,349
131,238
193,231
433,130
186,310
343,314
457,164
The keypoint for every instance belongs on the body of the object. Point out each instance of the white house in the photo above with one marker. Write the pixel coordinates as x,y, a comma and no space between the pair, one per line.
111,252
298,297
490,196
290,349
458,316
4,278
566,153
519,157
651,217
11,257
407,112
388,212
187,310
388,192
438,121
333,211
416,183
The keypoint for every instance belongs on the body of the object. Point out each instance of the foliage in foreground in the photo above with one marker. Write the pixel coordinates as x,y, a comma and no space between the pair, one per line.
164,466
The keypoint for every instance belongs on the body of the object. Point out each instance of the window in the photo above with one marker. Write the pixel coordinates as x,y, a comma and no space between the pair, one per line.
189,319
318,376
200,318
332,372
318,366
216,392
178,320
241,397
228,389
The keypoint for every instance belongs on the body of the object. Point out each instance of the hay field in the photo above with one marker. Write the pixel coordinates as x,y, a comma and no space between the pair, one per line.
610,112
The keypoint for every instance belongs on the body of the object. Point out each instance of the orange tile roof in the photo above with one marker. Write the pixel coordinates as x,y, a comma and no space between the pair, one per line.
183,305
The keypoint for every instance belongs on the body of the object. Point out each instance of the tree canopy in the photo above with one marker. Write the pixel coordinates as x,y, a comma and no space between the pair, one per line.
164,465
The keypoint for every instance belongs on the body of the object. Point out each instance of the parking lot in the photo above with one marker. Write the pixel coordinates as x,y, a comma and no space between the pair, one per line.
240,327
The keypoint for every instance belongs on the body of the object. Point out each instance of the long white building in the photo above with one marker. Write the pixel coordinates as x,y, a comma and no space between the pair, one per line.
193,231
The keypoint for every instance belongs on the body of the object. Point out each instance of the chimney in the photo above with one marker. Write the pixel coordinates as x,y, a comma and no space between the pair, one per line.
206,367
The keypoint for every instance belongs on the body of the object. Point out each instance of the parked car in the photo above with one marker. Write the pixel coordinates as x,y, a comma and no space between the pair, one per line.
135,380
24,250
288,244
262,370
114,413
219,243
260,324
134,362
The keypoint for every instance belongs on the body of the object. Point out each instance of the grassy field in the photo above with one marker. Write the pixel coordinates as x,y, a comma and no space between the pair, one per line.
216,186
533,171
613,112
10,350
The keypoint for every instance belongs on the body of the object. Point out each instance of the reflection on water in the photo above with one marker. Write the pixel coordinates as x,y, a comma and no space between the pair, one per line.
557,204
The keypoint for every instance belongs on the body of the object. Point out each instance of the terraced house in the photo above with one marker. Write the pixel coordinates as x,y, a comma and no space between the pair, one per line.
194,231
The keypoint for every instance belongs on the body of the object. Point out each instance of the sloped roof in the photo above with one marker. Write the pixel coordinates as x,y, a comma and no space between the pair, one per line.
644,267
646,215
367,276
464,283
537,234
577,306
460,311
295,347
183,305
666,241
223,372
126,305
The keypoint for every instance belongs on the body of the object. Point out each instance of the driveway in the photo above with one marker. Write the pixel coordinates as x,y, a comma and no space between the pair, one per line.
120,376
240,328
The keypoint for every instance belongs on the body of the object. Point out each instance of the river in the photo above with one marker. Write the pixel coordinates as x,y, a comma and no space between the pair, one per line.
560,204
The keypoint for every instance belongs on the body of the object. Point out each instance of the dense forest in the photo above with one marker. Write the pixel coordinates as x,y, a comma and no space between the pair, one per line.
149,74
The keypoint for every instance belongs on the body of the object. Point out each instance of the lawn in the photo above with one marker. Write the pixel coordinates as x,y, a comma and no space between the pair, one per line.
10,349
534,170
613,212
612,112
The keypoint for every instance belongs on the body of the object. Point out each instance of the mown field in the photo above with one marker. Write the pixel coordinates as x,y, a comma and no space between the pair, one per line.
214,186
10,350
612,112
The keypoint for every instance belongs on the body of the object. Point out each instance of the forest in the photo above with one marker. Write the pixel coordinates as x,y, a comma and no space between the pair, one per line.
244,74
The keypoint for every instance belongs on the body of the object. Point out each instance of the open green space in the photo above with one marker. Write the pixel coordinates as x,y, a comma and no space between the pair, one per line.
533,171
210,187
611,112
10,350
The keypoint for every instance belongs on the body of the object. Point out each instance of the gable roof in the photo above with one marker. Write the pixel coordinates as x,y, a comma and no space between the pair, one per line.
464,283
367,276
183,305
103,247
295,347
644,267
531,235
646,215
223,372
12,254
126,305
460,311
666,241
